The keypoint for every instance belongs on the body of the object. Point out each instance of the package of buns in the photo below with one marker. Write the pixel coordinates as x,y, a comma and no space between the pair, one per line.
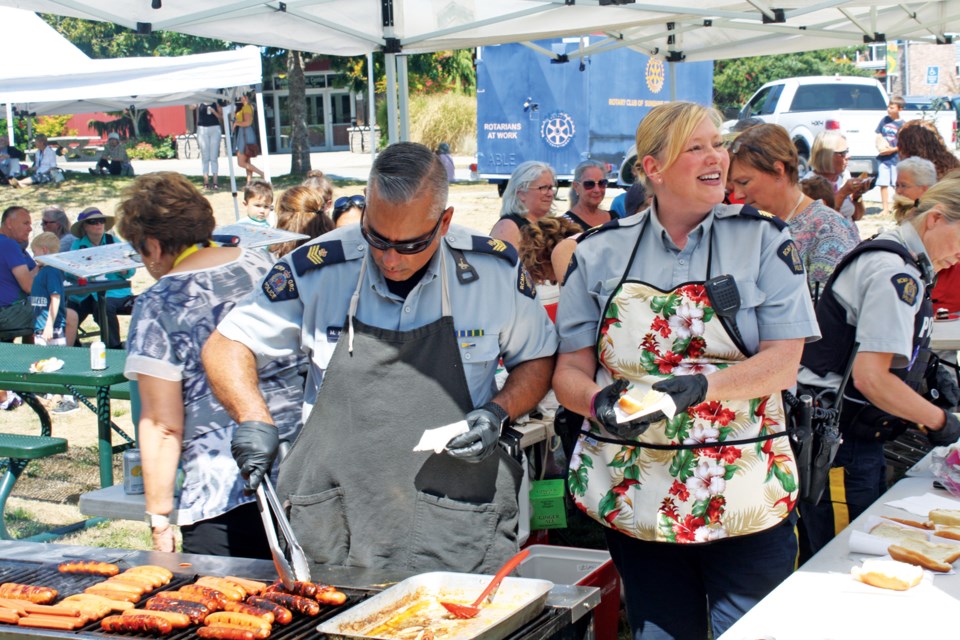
888,574
934,556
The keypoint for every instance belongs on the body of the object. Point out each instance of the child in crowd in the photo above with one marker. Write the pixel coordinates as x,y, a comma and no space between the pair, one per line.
818,188
53,323
887,158
258,200
114,159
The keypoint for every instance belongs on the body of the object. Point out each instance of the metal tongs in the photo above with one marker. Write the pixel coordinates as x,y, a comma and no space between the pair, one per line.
296,568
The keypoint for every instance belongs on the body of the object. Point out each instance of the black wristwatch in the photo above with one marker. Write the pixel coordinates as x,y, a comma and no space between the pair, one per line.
499,412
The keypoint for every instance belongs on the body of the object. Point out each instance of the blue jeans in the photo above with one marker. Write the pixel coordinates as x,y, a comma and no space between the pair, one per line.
856,481
677,590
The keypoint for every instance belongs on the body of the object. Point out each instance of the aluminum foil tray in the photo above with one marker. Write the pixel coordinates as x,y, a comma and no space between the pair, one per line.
411,610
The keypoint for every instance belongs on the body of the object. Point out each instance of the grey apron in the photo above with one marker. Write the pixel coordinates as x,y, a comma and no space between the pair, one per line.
359,496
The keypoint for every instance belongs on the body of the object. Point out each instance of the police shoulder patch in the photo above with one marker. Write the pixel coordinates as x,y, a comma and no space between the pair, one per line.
746,211
906,286
790,255
499,248
279,284
592,231
316,255
571,267
525,284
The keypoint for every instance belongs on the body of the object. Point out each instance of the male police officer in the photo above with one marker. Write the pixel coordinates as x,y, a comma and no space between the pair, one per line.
405,318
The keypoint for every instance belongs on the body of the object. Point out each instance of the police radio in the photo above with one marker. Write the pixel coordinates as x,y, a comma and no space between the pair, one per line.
724,298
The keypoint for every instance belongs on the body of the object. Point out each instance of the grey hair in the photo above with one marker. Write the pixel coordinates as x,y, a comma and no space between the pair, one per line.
920,169
403,170
574,197
60,217
944,196
520,180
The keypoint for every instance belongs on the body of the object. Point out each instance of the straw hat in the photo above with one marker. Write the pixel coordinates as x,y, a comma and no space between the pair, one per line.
90,213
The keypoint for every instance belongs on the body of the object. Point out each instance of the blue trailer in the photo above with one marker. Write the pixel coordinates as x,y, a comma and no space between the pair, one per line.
529,107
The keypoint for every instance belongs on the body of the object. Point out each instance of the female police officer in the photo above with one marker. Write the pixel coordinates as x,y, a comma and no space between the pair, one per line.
707,303
878,297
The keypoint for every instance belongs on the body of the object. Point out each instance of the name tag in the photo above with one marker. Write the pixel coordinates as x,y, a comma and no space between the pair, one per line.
333,333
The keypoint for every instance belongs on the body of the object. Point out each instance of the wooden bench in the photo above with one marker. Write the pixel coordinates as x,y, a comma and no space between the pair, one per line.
17,451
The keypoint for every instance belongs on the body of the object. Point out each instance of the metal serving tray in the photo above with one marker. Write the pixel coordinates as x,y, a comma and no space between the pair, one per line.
411,610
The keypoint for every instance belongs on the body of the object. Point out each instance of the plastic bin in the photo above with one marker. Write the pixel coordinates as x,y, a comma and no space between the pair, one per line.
581,567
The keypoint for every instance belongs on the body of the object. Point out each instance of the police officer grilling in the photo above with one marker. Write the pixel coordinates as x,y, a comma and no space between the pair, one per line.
404,317
878,297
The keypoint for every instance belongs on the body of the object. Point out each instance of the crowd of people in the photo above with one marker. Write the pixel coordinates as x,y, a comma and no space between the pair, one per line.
724,280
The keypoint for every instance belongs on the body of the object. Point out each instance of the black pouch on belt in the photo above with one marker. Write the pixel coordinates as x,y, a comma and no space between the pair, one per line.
866,422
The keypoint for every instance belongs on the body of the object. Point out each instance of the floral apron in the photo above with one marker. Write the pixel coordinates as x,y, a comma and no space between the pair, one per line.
721,468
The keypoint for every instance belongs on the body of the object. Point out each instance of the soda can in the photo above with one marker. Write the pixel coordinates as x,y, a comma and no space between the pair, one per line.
98,356
132,472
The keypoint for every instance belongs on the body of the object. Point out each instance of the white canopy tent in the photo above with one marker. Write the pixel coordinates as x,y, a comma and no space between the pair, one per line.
678,31
64,80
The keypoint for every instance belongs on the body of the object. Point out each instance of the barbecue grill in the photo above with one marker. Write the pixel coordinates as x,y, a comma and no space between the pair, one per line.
36,564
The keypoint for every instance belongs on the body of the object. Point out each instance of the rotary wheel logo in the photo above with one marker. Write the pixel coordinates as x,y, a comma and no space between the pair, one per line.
654,75
558,130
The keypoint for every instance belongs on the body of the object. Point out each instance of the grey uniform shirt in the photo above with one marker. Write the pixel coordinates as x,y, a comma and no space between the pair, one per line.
305,309
873,304
774,300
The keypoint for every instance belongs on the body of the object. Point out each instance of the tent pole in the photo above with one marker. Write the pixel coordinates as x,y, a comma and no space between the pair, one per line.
391,64
262,130
228,126
404,86
10,124
371,108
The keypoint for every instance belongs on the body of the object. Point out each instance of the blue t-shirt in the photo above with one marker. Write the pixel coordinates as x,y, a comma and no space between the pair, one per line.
11,256
47,283
889,128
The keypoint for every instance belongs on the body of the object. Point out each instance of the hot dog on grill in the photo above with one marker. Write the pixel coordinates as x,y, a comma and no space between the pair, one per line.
85,598
37,595
253,587
136,624
196,611
206,592
281,614
164,574
118,584
330,596
210,603
50,622
112,594
176,620
234,617
231,590
305,589
226,633
253,610
9,616
89,566
145,581
297,604
16,605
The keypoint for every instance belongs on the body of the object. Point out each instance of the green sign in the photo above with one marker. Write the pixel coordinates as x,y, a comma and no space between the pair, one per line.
547,507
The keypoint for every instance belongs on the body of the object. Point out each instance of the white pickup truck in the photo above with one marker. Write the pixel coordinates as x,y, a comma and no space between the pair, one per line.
806,106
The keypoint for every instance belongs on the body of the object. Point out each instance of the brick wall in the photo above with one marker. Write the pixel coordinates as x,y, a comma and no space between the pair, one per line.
917,60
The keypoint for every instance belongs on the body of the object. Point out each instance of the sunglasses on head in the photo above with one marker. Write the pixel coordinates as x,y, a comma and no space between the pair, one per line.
405,247
590,185
343,203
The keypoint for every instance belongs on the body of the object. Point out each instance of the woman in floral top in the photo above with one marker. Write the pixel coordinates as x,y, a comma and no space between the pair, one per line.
764,173
169,222
698,503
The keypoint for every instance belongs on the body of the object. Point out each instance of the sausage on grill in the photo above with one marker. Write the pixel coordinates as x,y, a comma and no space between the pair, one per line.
226,633
89,566
210,603
136,624
305,589
297,604
196,611
36,595
281,614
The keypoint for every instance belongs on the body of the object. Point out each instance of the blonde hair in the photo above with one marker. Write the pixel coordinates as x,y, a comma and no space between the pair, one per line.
665,130
944,196
46,240
821,155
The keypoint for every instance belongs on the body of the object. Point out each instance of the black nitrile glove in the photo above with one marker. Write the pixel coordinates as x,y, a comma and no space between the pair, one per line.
254,446
685,391
481,440
603,410
948,434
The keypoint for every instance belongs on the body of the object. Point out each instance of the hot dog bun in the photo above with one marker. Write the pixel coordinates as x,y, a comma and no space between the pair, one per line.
949,517
898,533
631,404
910,523
951,533
929,555
888,574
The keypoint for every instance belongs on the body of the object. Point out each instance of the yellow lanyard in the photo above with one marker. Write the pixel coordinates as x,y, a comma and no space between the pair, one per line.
186,253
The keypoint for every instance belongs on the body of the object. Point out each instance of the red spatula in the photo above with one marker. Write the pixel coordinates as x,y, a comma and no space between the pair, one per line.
471,610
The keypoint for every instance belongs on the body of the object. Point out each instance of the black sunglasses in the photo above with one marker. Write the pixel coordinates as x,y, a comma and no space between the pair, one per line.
93,223
589,185
343,203
407,247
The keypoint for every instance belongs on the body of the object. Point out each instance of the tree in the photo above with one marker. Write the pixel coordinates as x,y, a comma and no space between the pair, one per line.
109,40
297,113
734,81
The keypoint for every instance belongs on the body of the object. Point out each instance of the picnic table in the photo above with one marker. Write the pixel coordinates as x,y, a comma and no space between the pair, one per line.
98,288
77,378
76,147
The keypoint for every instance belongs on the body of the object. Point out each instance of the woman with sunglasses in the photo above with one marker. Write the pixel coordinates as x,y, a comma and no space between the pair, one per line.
90,230
168,222
828,158
301,210
587,192
764,174
56,221
347,210
698,507
528,197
